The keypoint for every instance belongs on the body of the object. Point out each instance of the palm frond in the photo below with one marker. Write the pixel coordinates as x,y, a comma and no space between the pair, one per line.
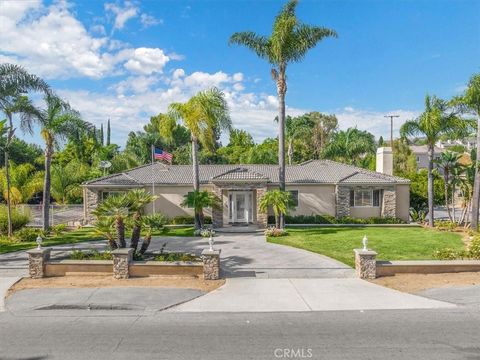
257,43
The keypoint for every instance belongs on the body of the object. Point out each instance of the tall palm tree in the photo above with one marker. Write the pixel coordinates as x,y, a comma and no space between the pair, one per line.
349,146
15,82
58,121
204,114
469,102
433,123
288,43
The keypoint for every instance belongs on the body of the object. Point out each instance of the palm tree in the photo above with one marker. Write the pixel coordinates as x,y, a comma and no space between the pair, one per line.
66,180
294,130
350,146
204,114
469,102
288,43
137,199
57,122
150,223
198,200
104,227
447,162
433,123
15,82
116,208
279,201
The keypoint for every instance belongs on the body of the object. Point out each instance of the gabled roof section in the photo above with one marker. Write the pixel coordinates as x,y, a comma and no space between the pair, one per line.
240,174
121,179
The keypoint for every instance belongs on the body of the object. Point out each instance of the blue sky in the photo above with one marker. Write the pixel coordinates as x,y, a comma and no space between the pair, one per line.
127,60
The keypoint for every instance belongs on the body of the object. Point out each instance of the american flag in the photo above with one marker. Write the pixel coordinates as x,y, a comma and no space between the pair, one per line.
159,154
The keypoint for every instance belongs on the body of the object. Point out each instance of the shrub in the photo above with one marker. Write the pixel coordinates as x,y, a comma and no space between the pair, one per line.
19,220
58,229
445,225
474,248
187,220
449,254
27,234
274,232
90,255
176,257
328,219
418,216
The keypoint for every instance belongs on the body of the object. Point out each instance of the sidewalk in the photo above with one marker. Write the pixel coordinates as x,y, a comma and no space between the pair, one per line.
285,295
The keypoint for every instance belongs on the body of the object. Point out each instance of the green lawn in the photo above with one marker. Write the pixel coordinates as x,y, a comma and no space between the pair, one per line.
70,237
81,235
396,243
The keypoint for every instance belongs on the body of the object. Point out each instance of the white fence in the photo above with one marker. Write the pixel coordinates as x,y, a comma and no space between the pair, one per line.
59,214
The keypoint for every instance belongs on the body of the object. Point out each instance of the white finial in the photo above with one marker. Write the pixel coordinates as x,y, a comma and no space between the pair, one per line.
39,242
365,243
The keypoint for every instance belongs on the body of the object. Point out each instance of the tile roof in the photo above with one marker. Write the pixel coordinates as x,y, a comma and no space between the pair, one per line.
314,171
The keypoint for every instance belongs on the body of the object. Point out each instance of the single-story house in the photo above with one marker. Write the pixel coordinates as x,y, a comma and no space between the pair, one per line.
317,186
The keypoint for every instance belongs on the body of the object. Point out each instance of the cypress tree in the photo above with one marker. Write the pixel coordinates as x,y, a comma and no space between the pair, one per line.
108,132
101,134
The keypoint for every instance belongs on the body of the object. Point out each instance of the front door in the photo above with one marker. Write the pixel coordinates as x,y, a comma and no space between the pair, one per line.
240,209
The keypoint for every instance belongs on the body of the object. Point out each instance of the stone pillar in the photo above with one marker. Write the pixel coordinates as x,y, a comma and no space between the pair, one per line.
262,218
365,264
342,198
217,214
37,261
211,264
389,203
121,261
91,199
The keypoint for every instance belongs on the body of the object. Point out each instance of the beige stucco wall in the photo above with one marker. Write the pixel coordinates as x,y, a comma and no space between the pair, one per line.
365,211
403,202
170,198
312,199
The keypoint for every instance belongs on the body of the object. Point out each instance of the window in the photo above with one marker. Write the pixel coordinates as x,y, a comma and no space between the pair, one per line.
364,198
294,196
106,194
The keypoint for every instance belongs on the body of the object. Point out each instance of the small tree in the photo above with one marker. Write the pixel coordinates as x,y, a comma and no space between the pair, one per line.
447,161
279,201
104,227
150,223
199,200
137,200
117,208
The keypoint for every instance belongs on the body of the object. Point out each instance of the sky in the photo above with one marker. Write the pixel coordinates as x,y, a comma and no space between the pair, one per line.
128,60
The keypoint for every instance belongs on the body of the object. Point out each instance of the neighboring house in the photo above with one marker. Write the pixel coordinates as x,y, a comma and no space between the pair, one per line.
469,143
421,155
317,187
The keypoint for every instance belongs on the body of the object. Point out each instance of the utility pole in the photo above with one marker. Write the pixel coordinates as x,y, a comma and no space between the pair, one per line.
391,127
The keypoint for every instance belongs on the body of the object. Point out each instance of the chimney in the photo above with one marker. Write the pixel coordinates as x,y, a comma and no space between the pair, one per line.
385,160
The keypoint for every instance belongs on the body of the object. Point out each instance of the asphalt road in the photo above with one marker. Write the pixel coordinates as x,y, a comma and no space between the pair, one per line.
407,334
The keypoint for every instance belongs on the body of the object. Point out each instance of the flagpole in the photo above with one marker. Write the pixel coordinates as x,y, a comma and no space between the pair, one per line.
153,178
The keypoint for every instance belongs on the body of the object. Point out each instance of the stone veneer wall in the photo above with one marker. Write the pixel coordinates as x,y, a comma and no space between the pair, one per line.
343,201
262,218
217,214
91,201
389,203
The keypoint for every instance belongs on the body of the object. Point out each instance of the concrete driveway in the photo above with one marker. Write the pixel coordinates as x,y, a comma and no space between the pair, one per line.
250,255
243,255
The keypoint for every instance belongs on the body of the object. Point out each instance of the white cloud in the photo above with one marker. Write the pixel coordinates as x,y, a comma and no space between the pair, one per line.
149,20
52,43
122,14
147,61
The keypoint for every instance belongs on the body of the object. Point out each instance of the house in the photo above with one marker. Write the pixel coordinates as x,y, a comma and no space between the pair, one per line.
421,155
317,187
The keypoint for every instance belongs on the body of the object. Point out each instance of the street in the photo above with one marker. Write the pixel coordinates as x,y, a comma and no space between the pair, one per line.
102,334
